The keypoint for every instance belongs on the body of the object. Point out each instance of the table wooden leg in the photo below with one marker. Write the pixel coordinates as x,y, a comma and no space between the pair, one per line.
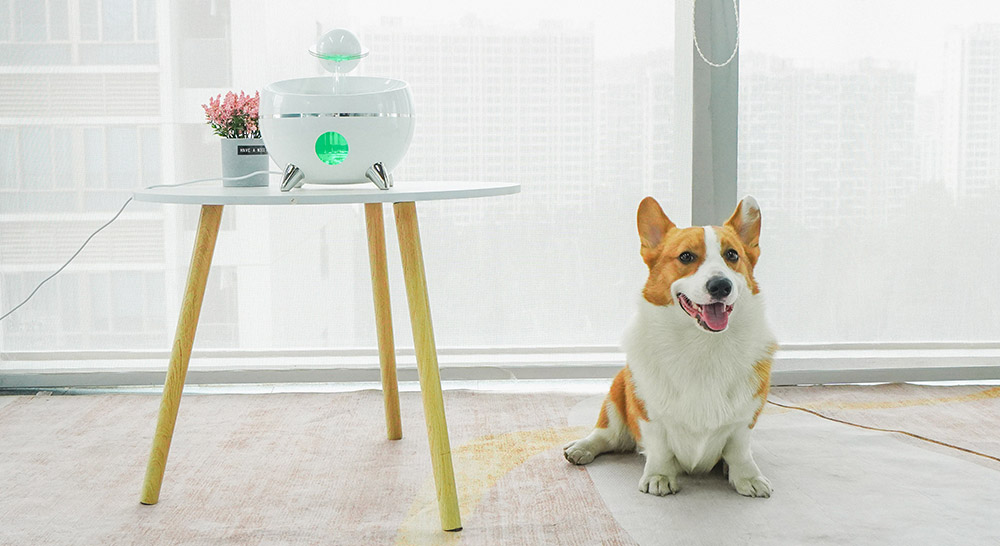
427,364
201,261
383,318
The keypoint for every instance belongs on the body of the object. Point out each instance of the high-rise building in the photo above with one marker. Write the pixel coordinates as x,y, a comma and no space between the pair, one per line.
634,113
979,113
81,109
828,146
496,104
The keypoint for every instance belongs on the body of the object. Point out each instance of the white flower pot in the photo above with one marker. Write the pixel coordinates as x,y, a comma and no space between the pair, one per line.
242,156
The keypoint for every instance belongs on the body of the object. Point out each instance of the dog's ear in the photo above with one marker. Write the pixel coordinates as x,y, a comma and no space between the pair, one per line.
745,221
653,225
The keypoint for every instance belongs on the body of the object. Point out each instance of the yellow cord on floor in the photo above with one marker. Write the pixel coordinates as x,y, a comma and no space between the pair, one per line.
910,434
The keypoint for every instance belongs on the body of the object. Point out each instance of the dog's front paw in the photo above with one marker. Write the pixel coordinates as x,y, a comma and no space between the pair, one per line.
577,452
659,484
756,486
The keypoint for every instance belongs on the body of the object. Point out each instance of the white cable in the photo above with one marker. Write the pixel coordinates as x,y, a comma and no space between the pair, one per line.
694,32
115,217
189,182
16,307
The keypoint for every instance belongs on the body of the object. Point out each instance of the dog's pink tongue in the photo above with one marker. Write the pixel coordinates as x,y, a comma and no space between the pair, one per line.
715,315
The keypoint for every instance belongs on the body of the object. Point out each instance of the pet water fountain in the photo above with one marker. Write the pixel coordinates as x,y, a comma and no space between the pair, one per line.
337,129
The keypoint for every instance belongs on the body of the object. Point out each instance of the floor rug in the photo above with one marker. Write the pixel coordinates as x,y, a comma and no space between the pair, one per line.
317,469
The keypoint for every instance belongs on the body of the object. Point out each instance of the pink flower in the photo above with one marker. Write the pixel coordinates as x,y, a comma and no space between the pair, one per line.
234,116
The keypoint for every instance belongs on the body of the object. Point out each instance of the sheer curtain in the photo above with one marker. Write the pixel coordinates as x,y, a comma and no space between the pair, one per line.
100,97
870,133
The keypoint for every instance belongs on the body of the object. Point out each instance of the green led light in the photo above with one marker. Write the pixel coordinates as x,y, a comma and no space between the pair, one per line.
331,148
338,58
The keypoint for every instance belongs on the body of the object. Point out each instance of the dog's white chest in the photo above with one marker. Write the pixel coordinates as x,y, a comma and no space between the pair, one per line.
697,422
697,450
697,392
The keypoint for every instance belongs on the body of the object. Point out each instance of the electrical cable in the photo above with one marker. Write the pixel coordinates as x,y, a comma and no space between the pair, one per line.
115,217
894,431
75,254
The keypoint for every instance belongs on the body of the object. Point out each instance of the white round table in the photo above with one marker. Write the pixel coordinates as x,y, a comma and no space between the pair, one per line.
212,197
213,193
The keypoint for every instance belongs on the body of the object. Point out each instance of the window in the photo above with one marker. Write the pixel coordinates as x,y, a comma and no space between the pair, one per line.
863,137
573,104
29,21
145,20
123,154
117,20
203,40
5,20
8,158
36,156
90,28
58,20
88,310
60,168
876,158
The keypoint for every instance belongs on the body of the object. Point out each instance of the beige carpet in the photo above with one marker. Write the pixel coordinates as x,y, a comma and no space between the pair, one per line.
316,469
833,484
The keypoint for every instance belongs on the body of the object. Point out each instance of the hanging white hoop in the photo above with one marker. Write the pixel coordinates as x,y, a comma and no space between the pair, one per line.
694,32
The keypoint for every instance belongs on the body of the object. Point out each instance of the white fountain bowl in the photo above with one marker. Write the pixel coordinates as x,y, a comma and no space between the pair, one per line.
373,115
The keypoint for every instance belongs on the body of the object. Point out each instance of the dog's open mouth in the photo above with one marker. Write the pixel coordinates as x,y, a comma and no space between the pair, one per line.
713,317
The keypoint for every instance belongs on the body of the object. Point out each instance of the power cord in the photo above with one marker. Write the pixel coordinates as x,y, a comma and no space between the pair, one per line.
115,217
894,431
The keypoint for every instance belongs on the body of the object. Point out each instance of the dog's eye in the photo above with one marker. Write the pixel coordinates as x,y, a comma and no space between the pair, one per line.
687,257
732,255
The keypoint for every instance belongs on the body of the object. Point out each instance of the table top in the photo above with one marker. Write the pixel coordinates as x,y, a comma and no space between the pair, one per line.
213,193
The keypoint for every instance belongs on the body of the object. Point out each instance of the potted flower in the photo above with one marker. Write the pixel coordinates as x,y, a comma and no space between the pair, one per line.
234,118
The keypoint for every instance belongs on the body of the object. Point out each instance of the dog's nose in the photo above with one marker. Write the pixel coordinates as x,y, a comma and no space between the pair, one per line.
719,287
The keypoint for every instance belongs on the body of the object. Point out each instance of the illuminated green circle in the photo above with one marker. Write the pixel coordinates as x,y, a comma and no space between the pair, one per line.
331,148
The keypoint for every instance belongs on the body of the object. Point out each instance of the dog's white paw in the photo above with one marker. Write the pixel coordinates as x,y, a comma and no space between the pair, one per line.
577,452
659,484
756,486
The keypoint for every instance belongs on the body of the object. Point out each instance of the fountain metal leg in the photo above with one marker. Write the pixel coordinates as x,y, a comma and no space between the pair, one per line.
376,173
292,178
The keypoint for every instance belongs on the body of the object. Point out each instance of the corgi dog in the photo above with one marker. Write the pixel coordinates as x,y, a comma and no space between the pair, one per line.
698,354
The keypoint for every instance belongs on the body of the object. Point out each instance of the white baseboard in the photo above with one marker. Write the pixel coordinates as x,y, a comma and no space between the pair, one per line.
794,364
